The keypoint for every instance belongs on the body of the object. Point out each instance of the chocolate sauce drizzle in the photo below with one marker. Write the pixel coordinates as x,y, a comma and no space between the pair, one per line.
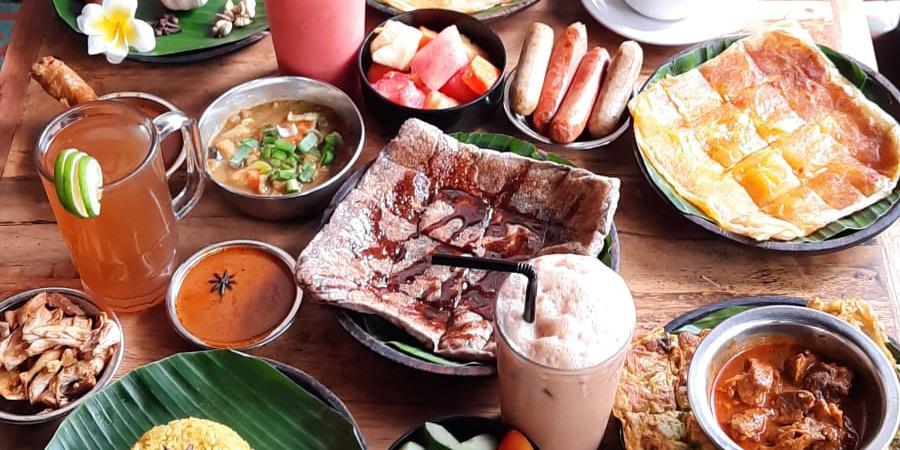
512,235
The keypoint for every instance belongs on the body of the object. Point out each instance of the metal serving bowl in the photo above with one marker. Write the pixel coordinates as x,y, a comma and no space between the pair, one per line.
875,381
264,90
181,273
523,123
89,307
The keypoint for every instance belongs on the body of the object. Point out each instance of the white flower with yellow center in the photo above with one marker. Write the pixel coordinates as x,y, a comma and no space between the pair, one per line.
112,29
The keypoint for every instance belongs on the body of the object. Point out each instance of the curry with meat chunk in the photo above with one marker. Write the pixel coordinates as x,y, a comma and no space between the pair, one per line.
277,148
777,395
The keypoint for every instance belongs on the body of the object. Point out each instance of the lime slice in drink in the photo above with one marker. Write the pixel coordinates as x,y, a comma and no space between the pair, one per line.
78,181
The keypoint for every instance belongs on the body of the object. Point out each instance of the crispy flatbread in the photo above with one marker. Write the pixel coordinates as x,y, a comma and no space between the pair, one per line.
428,193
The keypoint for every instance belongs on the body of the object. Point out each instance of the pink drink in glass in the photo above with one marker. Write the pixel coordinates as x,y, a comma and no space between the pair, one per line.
318,38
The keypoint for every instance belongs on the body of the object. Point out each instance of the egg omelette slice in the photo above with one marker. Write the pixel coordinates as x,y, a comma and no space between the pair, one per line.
768,139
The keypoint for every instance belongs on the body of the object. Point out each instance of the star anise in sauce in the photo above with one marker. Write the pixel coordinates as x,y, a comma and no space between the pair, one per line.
222,282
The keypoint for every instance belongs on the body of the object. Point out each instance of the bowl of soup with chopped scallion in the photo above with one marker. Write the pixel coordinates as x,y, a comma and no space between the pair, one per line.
280,147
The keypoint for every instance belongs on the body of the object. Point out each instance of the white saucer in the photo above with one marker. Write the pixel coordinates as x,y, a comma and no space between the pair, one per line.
717,18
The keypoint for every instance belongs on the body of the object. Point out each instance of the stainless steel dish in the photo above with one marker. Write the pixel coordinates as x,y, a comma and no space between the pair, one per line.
875,380
523,124
178,279
105,378
178,160
262,90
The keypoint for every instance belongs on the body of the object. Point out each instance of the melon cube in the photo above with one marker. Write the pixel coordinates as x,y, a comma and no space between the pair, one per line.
441,58
438,100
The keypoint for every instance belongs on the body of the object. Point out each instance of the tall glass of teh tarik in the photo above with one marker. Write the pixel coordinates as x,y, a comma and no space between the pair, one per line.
558,375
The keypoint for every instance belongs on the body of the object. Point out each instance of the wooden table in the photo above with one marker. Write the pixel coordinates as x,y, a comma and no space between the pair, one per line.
671,265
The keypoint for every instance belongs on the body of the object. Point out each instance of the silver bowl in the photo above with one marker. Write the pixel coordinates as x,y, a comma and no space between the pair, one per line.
523,124
165,104
263,90
105,378
178,279
875,381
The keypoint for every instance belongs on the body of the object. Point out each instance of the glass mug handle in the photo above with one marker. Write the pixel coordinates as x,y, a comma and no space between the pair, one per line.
172,122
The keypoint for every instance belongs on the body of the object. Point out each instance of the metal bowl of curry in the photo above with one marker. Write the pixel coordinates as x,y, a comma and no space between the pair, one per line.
279,147
238,294
794,377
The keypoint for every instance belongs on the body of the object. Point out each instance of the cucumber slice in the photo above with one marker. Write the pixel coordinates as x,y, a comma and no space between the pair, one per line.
480,442
412,446
439,438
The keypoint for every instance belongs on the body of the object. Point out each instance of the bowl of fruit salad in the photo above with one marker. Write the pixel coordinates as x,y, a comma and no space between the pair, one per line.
436,65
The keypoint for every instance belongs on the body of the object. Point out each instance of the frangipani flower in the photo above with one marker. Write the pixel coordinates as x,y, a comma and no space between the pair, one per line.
112,28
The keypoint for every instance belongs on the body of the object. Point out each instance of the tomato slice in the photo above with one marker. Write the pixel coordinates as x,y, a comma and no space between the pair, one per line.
457,89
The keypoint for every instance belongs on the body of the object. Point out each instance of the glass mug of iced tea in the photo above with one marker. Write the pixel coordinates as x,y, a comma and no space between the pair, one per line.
124,245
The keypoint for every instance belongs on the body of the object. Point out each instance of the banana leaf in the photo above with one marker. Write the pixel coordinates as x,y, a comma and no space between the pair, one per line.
263,406
196,25
873,90
506,143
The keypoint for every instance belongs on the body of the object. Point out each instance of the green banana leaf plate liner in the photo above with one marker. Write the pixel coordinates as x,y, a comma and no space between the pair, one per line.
395,344
265,407
195,42
507,8
842,233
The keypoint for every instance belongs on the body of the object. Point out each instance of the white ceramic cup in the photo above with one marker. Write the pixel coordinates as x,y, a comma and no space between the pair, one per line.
665,9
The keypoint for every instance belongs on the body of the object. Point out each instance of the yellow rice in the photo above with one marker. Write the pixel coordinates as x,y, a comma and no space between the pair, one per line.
191,434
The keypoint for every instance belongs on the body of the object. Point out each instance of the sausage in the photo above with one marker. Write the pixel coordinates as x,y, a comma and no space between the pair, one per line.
533,61
575,110
617,88
567,53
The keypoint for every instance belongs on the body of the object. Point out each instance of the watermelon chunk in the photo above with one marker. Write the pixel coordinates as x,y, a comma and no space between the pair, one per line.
441,58
399,88
456,89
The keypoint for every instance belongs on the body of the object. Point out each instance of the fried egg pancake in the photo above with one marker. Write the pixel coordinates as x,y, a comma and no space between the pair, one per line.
768,139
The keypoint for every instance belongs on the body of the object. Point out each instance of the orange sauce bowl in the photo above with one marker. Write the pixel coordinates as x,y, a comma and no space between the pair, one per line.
238,294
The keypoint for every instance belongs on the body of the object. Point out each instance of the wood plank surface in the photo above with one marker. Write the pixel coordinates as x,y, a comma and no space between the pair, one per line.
670,265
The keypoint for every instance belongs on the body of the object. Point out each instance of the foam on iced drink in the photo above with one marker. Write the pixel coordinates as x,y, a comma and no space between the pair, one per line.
585,313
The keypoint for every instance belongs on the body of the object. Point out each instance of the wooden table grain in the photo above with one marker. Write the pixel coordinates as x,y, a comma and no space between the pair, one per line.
670,265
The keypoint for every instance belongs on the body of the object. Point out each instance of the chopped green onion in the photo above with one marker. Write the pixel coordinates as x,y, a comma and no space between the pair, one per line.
283,145
334,138
266,151
307,172
315,153
281,154
309,142
263,167
245,147
327,155
292,186
284,174
270,135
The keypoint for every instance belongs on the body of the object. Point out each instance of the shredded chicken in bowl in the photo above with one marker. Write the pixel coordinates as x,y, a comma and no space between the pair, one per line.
52,351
